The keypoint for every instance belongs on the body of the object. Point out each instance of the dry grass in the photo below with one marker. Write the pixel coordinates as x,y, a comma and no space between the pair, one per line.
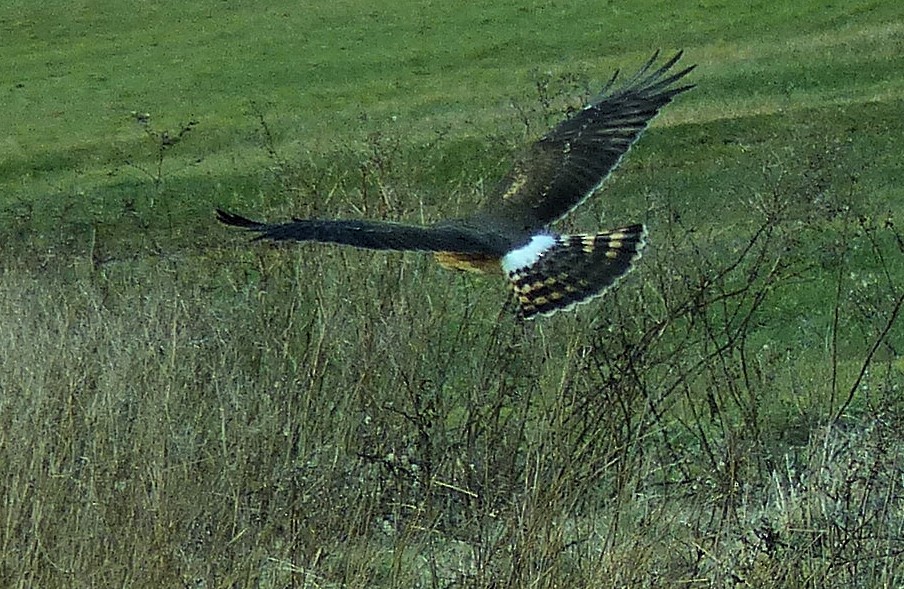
193,422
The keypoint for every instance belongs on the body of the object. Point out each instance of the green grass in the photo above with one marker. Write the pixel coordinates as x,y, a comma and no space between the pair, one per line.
181,408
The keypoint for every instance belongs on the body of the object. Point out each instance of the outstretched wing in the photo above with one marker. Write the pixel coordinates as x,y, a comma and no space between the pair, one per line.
375,235
570,162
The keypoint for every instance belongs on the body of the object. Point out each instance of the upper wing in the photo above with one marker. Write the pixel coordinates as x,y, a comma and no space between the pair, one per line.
374,235
570,162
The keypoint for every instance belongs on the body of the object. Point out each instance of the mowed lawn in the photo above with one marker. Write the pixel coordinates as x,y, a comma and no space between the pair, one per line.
182,408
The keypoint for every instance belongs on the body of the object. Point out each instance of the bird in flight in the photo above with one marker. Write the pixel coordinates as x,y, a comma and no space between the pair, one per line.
548,272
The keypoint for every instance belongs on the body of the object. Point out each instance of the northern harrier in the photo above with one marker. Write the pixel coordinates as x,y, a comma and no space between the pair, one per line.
547,271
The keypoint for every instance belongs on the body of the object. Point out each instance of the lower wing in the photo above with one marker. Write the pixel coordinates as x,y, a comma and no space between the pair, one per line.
375,235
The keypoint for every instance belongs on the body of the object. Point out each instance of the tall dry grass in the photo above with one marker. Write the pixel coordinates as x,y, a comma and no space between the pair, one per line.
330,418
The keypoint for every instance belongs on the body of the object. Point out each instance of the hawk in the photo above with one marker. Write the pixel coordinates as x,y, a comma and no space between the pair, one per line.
548,272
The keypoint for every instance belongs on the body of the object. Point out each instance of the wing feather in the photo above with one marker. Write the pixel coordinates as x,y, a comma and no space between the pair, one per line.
569,163
375,235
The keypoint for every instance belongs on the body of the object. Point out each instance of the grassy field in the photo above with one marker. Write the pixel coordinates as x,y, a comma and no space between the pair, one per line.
180,408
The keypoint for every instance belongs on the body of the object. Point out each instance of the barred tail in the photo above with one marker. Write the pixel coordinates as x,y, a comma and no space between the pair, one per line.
571,269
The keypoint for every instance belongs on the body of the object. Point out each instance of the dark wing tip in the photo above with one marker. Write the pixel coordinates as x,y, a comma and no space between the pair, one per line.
644,78
234,220
657,80
667,65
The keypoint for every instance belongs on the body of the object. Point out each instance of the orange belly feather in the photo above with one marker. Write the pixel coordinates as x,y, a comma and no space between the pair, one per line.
468,262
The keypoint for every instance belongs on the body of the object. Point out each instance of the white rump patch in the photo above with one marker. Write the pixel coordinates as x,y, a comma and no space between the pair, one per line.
527,255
